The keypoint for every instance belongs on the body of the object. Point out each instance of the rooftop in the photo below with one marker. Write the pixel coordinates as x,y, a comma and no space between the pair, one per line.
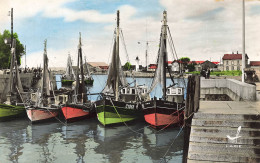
254,63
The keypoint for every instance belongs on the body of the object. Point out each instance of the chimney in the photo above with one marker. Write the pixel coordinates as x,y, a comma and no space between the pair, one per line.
232,52
237,52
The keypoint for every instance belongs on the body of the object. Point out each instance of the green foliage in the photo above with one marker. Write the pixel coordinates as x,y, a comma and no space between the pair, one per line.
227,73
191,66
221,73
193,72
185,60
127,66
5,50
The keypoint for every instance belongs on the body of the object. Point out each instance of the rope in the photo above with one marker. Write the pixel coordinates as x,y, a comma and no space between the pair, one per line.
163,158
172,43
56,117
189,116
170,122
123,42
121,118
21,97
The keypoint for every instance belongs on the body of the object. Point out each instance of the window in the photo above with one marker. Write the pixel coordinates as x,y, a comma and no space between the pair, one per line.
168,91
227,68
237,62
238,67
133,91
232,68
232,62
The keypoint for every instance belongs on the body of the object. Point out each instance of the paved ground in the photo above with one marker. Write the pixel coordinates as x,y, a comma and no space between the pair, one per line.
225,131
230,107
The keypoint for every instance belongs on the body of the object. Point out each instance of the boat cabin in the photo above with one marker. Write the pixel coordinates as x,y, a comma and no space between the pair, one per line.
175,94
131,93
61,99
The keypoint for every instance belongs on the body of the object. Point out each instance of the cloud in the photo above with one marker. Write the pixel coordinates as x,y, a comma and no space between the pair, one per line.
212,28
51,9
201,31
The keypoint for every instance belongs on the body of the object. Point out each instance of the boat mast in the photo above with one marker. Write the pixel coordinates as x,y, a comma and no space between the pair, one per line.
12,55
116,91
82,83
164,37
146,56
44,68
77,76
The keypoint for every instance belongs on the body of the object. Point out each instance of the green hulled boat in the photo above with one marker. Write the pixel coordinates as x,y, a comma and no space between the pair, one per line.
112,112
119,102
12,91
65,82
89,81
88,78
11,111
69,77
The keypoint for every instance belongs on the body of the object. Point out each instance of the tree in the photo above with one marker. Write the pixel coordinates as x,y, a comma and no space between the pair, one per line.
185,60
5,50
127,66
191,66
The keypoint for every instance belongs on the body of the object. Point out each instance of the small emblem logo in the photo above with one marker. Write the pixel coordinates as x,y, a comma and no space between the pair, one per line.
233,140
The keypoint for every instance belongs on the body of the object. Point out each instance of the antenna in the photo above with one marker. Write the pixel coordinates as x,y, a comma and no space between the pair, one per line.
25,55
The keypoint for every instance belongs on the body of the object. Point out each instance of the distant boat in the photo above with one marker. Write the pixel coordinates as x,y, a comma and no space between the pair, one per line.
167,110
88,78
69,77
118,103
79,106
42,107
11,99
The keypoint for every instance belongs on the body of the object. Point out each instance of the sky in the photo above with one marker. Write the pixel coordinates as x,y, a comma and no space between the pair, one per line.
201,29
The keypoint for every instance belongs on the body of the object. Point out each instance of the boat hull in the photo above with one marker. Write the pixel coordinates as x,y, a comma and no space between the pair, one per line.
11,111
160,113
74,112
89,81
116,112
38,114
67,82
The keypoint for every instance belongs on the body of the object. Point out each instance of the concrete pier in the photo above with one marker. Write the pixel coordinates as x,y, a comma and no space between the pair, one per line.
235,89
214,132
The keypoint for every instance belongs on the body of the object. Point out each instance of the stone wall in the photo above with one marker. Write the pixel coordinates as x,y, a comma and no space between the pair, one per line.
236,90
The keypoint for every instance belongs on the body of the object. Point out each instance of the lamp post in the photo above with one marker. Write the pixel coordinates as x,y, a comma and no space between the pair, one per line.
243,42
137,58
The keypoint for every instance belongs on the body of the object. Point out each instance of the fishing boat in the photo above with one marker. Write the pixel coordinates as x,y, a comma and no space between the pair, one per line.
69,77
119,100
42,106
168,110
88,78
12,105
79,106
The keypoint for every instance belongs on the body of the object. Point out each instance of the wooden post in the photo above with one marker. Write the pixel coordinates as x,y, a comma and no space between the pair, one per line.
192,106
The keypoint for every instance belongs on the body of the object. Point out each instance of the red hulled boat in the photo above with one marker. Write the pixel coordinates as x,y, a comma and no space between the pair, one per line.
73,112
40,114
168,110
41,107
160,113
80,106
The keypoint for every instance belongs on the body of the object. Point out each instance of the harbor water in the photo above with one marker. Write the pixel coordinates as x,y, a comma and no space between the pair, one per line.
88,140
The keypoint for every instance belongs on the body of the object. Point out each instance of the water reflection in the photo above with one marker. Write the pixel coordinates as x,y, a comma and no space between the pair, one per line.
86,141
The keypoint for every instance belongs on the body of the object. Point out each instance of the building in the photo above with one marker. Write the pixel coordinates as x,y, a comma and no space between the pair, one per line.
199,65
233,61
97,66
254,64
153,67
